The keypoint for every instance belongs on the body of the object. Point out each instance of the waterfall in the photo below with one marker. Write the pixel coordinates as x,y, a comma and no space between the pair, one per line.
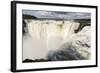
46,35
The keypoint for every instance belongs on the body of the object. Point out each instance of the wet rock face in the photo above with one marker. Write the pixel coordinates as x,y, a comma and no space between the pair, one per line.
25,31
76,48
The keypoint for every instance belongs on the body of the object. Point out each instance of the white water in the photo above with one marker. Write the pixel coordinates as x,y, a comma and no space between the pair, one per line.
44,36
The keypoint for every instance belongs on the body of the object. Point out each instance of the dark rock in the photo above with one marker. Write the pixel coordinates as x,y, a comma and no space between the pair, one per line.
36,60
27,60
29,17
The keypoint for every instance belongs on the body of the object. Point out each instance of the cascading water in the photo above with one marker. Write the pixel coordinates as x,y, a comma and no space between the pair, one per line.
44,36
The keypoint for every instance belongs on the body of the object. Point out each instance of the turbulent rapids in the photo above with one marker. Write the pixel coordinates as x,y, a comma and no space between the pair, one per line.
55,40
